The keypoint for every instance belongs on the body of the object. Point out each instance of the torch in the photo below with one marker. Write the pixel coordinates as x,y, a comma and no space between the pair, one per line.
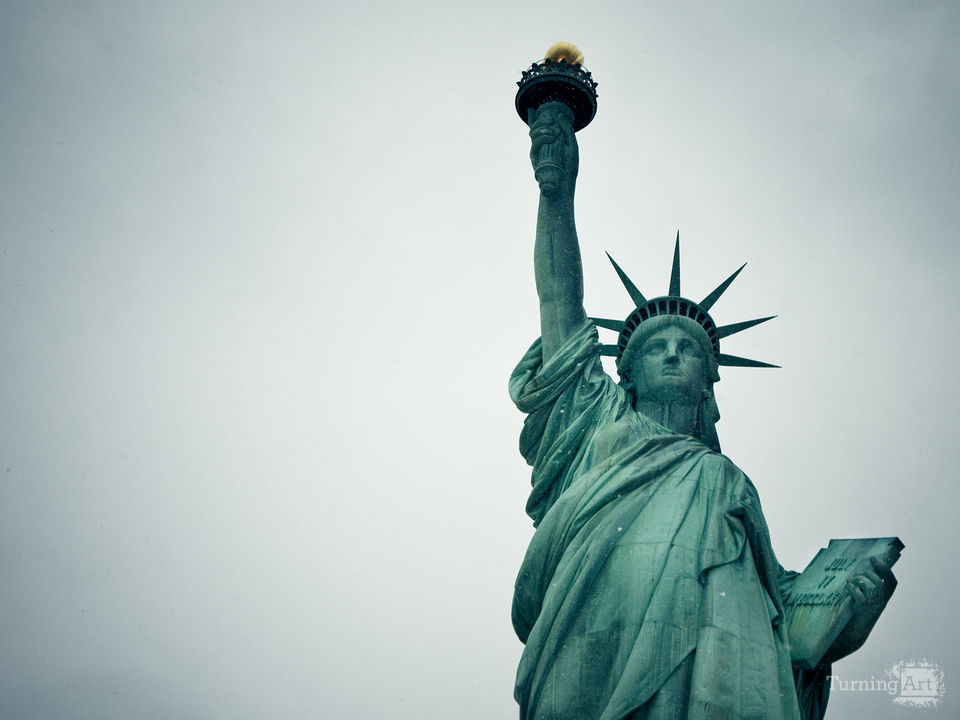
559,77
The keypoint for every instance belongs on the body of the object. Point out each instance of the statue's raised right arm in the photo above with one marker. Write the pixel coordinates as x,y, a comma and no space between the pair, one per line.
557,266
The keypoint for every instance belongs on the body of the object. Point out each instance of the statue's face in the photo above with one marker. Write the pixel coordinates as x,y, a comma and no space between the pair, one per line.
669,367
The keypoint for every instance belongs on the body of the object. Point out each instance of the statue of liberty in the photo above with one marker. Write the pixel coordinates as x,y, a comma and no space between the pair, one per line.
650,588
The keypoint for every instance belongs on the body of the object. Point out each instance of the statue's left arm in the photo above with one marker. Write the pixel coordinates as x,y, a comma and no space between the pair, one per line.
870,591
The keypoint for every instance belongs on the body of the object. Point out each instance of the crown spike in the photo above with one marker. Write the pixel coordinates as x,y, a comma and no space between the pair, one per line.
610,350
734,361
675,272
607,323
710,299
727,330
635,294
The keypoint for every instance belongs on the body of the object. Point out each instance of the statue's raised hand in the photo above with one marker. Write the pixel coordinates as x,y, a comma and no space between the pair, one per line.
553,149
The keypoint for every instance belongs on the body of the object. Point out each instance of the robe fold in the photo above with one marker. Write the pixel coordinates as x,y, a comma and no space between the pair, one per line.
650,588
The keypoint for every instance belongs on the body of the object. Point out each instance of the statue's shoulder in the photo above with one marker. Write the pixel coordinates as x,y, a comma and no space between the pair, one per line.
721,462
735,479
718,465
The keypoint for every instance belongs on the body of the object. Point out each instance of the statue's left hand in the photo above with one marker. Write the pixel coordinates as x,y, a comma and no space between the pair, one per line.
870,592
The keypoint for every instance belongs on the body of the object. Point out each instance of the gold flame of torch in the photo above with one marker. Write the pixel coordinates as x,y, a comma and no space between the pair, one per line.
567,52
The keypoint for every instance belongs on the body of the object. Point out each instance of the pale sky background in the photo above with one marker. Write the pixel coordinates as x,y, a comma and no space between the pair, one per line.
265,268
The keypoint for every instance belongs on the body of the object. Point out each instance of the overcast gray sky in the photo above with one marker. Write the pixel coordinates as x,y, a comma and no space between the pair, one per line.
266,268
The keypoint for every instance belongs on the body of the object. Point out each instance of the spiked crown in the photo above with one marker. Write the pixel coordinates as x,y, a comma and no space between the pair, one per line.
675,304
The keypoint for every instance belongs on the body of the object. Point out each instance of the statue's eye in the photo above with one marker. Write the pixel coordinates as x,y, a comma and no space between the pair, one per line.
689,347
656,347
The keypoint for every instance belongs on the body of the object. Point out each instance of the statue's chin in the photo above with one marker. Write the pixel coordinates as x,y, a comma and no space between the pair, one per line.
667,393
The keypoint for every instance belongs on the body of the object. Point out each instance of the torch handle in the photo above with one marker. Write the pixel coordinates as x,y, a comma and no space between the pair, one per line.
551,125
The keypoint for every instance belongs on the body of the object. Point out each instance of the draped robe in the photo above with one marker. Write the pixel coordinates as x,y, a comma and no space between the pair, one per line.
650,588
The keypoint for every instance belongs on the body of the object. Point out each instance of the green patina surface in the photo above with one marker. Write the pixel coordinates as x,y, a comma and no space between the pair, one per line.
650,588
